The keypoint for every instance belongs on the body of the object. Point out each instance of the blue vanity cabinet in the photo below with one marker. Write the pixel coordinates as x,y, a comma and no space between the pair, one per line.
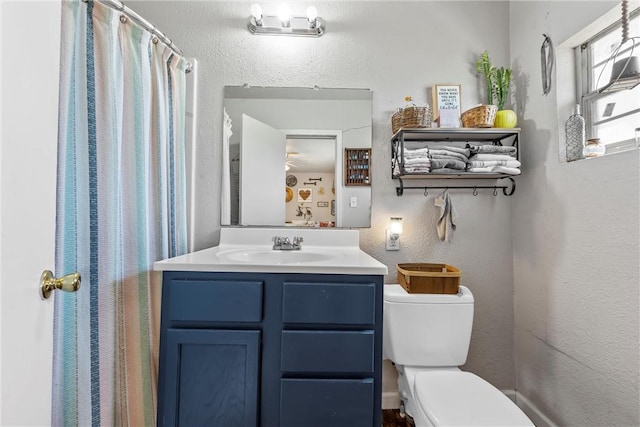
270,349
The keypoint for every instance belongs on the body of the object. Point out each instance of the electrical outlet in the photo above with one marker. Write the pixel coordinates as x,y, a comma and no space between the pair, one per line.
393,241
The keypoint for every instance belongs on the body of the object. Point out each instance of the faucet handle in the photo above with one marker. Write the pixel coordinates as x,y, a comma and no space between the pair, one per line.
297,240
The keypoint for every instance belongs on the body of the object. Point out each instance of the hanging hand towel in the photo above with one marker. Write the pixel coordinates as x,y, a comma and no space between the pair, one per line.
446,224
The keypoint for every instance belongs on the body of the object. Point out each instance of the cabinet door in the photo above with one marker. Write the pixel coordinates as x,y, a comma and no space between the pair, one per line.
211,378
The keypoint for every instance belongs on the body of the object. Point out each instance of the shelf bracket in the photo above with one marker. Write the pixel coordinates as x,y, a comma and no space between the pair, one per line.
512,189
400,190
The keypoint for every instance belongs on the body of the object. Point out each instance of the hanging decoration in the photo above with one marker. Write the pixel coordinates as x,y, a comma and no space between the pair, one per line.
547,59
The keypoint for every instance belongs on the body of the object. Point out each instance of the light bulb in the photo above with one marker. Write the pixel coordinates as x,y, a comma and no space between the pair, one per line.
256,11
312,13
395,225
284,15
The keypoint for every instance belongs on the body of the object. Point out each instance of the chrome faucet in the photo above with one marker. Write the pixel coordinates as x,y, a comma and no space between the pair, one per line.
284,244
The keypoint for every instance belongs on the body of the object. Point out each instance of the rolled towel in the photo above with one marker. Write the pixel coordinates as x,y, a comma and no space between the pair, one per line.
488,148
446,224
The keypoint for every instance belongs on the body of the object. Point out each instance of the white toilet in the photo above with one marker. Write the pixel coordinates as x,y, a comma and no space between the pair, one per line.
427,337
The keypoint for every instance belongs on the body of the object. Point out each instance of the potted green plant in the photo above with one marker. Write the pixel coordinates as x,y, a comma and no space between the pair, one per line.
497,81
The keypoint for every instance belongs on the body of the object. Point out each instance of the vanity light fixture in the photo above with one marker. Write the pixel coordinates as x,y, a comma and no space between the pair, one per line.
284,24
393,234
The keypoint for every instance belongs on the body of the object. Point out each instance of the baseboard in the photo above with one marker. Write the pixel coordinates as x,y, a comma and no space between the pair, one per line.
390,400
532,411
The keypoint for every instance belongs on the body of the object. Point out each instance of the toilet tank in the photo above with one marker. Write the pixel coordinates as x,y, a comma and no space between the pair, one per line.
427,329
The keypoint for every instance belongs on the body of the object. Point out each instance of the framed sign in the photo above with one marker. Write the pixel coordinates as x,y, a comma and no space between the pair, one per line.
445,99
305,195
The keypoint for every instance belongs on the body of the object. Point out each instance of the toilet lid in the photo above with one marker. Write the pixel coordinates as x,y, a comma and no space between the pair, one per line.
457,398
396,294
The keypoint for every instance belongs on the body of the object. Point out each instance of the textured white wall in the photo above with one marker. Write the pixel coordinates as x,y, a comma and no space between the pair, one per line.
576,239
395,49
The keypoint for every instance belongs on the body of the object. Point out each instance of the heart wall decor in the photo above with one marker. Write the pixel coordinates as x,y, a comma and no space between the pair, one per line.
305,195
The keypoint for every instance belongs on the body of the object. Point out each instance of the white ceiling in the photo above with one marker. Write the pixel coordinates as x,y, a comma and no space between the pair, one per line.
311,155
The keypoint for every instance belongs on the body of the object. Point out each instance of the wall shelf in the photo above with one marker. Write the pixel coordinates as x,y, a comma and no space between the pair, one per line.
417,138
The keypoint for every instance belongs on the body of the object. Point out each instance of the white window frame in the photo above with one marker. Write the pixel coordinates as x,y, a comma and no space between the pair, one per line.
587,85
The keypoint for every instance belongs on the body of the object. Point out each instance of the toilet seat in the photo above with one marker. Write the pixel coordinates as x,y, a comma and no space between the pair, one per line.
458,398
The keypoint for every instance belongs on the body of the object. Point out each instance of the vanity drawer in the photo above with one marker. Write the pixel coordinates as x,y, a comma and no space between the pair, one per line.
327,351
215,300
329,303
326,403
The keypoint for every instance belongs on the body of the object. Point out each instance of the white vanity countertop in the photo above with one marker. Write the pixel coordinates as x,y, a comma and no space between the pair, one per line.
241,249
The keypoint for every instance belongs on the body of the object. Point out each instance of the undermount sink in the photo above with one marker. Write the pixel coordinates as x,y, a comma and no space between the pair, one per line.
273,257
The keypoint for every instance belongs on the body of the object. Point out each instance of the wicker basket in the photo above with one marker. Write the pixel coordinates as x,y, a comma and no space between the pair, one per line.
425,278
482,116
411,117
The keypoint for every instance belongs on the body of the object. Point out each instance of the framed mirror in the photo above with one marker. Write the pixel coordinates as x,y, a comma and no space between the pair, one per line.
284,156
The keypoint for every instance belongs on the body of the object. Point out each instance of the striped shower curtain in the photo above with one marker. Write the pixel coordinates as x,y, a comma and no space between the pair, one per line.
120,207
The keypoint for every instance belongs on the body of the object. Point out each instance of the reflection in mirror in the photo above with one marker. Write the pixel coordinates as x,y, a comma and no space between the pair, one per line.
283,156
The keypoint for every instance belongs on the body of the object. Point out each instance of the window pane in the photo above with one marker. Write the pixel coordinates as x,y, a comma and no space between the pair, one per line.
605,45
618,130
613,104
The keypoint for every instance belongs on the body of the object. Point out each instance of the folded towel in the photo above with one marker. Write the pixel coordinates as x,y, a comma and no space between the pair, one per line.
491,157
487,148
417,170
416,156
446,224
418,152
446,171
507,170
486,163
417,160
444,154
448,163
496,169
459,150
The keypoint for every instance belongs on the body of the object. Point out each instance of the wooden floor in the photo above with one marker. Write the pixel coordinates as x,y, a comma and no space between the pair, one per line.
392,418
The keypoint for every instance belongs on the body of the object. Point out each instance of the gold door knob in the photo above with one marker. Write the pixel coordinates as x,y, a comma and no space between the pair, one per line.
48,283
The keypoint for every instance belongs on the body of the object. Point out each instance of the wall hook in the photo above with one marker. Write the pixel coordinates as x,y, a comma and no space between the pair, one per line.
426,191
495,191
475,191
